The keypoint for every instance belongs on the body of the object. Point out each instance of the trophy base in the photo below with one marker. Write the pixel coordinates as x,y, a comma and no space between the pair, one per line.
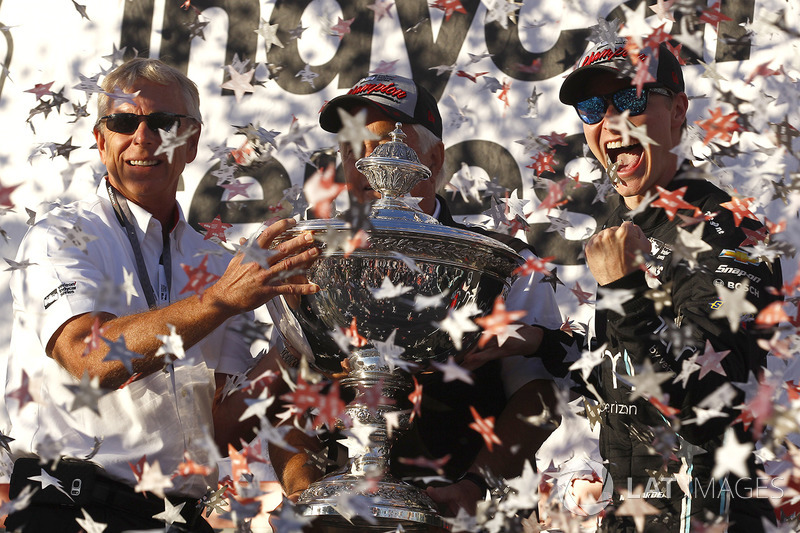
391,502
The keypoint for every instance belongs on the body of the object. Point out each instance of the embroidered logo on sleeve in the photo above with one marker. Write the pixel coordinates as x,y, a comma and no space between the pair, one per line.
58,292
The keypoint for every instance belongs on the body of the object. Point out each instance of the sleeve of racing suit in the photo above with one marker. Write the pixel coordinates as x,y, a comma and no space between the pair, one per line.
686,328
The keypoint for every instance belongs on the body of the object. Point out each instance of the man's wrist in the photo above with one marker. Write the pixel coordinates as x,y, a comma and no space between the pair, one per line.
476,479
299,474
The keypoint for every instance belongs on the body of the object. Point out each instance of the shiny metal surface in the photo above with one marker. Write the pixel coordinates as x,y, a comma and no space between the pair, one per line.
460,269
463,267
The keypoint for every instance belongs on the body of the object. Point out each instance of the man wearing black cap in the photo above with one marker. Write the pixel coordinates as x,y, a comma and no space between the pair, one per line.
664,413
388,99
502,388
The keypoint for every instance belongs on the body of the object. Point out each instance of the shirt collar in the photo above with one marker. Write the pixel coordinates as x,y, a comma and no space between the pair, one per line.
437,210
142,216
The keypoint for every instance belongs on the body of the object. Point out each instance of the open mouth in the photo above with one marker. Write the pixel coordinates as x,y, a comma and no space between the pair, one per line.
143,162
626,156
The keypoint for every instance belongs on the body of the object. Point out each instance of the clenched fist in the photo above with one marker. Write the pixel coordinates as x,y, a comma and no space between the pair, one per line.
616,252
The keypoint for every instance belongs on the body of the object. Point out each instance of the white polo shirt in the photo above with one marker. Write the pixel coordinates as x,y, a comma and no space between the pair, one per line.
538,299
80,258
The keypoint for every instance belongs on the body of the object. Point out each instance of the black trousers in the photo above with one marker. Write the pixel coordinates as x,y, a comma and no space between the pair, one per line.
106,501
44,518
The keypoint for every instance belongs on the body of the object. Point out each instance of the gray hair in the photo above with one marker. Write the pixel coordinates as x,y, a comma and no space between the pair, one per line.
126,75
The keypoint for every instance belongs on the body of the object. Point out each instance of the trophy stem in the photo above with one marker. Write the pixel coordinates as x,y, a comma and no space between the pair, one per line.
376,390
366,474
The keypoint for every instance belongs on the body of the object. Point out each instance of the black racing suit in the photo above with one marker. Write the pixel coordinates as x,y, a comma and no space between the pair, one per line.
640,443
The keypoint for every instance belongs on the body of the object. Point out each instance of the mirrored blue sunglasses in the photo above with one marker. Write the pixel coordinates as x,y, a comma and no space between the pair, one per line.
593,109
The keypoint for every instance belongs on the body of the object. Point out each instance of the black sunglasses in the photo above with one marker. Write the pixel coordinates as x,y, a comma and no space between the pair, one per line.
593,109
129,122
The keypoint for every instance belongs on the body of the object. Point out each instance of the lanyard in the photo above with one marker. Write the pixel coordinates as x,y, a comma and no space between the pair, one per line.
124,216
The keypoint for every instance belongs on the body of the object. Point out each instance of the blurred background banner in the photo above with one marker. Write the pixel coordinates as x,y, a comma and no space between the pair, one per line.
265,68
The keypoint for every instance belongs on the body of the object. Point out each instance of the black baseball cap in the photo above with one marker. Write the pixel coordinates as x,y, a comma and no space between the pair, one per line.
400,98
664,67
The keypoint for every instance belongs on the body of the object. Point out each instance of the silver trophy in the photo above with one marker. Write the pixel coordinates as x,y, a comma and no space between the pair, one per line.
412,250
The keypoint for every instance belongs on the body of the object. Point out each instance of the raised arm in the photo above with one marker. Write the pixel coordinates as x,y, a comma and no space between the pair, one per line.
243,287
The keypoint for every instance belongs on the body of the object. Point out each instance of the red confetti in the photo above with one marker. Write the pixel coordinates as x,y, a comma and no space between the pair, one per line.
671,201
216,228
719,125
485,426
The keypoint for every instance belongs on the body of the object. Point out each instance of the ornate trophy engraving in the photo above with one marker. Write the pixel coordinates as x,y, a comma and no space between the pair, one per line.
465,269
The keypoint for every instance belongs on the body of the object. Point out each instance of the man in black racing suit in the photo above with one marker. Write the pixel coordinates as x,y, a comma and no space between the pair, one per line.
672,302
667,340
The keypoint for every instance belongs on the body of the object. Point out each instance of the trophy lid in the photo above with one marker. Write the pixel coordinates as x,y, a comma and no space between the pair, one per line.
397,148
393,169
